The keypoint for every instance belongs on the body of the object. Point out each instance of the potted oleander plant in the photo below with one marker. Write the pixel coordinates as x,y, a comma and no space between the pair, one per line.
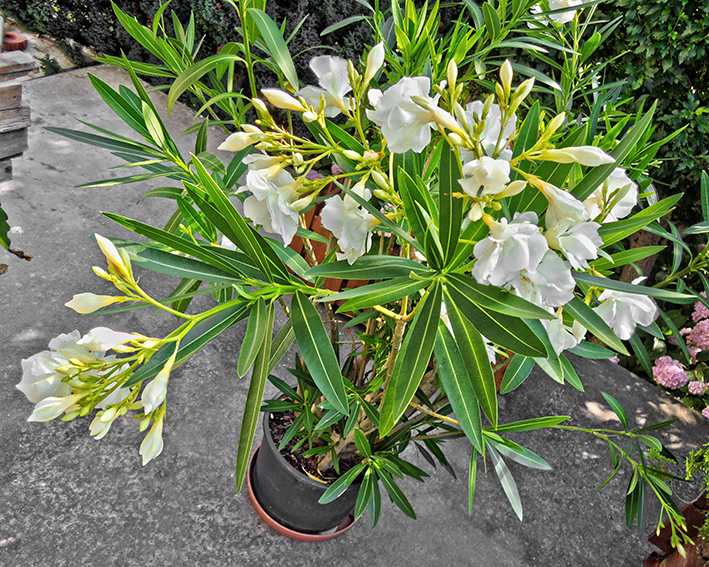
488,227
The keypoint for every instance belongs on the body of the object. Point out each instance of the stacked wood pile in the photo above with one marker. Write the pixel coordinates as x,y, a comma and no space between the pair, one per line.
697,555
14,118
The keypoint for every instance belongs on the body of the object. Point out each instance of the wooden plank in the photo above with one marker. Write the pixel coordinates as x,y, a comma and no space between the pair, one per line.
10,96
15,119
15,64
13,143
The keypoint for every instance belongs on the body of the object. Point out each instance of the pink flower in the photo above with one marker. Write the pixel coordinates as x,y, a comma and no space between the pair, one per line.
614,359
699,336
697,388
700,310
669,373
705,412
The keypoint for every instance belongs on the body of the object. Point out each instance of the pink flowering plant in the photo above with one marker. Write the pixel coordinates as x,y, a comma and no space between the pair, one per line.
490,230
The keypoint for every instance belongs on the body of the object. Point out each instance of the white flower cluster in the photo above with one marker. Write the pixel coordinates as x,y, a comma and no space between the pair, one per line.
58,381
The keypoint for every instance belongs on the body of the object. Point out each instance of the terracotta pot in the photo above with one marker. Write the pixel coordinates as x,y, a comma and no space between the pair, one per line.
287,499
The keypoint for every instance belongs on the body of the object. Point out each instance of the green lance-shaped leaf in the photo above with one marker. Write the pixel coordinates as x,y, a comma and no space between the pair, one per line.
119,105
175,242
369,268
450,208
150,258
365,492
411,198
594,323
276,45
517,372
194,340
531,424
608,283
705,196
520,455
236,229
613,232
194,73
318,353
254,397
617,409
505,477
458,386
253,339
378,293
341,484
472,475
412,361
395,493
281,343
471,347
495,298
509,332
596,176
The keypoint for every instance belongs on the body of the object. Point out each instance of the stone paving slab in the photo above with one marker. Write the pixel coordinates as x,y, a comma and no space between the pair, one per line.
67,499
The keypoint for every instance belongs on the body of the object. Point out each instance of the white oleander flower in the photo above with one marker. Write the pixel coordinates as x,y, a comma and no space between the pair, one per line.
560,18
334,82
102,339
155,393
351,224
578,241
561,336
269,203
490,174
550,284
511,246
404,124
490,138
618,186
152,445
562,204
40,375
624,311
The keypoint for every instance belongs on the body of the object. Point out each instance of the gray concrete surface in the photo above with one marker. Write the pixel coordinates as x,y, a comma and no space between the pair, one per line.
67,499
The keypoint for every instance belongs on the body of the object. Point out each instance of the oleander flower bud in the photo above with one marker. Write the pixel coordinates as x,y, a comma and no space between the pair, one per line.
281,99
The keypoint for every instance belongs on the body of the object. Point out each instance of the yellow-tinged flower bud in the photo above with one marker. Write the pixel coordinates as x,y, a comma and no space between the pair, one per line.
489,101
512,189
70,416
309,116
114,258
351,154
297,158
51,408
259,105
380,180
144,424
375,60
101,273
108,415
523,90
155,393
301,203
152,445
281,99
584,155
506,76
369,155
452,74
85,303
455,139
554,125
379,194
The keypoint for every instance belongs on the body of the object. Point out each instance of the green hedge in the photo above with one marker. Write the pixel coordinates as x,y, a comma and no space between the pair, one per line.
94,23
668,44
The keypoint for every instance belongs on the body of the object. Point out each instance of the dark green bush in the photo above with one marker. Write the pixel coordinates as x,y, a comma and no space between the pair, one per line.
94,24
667,44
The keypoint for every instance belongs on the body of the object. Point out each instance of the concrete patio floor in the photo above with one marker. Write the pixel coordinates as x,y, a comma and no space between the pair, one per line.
69,500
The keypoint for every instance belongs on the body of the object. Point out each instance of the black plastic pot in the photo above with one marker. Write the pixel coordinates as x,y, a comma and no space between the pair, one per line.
290,497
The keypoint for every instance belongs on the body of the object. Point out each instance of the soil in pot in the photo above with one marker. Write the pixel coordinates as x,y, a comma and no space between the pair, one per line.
288,495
